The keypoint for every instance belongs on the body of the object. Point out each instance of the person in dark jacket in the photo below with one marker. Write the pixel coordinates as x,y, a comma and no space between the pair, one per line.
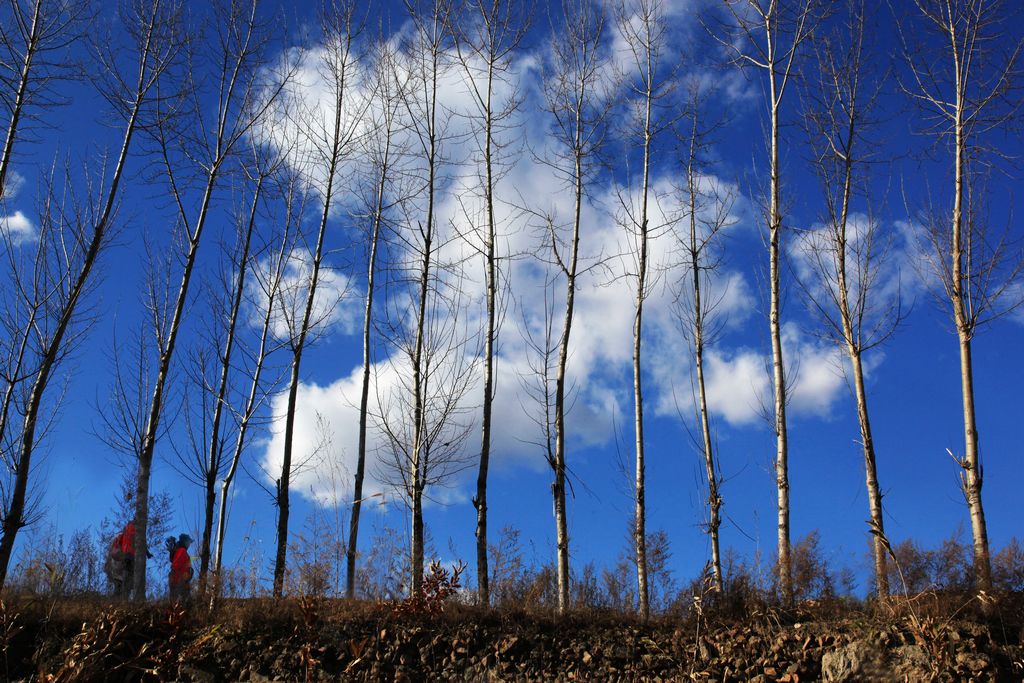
180,579
170,545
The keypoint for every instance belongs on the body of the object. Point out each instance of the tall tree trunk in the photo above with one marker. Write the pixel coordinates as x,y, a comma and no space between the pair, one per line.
793,23
960,290
417,541
714,499
225,486
580,117
480,500
854,352
490,275
339,73
871,476
640,531
249,409
218,542
157,402
972,478
640,512
419,446
284,482
860,393
364,398
206,536
558,489
215,453
420,449
14,516
785,569
225,133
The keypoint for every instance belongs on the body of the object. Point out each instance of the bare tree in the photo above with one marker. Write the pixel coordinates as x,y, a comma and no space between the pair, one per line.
382,149
36,41
123,414
707,211
206,461
486,37
577,101
541,341
269,279
331,135
422,416
963,72
75,232
849,253
641,24
766,36
194,150
33,299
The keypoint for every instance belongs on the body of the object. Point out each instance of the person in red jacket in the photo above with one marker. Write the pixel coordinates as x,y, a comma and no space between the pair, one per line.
180,579
126,540
120,561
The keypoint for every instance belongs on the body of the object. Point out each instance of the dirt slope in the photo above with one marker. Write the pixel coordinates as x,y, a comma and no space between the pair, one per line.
89,640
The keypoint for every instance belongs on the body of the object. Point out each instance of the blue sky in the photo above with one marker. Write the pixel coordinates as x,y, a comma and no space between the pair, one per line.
913,380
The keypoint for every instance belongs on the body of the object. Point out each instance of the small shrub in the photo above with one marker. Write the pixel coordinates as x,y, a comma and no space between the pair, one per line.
619,584
946,568
316,557
540,590
240,582
312,569
383,572
586,591
123,643
438,586
1008,567
48,565
508,569
813,577
306,630
517,585
746,589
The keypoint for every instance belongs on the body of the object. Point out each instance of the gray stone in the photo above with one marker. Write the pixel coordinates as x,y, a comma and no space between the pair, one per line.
860,661
187,672
845,663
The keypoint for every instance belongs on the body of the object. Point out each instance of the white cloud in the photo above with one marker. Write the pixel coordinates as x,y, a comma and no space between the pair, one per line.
1013,300
599,363
875,270
334,406
12,185
739,383
17,228
736,384
337,307
815,369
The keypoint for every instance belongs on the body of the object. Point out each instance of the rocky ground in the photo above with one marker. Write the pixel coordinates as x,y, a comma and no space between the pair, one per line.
939,638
